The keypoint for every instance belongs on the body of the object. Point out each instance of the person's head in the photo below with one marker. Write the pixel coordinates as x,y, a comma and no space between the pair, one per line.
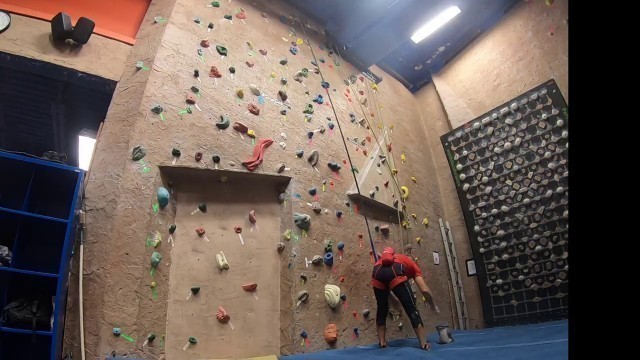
387,256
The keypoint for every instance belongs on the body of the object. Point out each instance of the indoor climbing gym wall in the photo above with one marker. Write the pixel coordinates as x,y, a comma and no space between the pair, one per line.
220,190
510,170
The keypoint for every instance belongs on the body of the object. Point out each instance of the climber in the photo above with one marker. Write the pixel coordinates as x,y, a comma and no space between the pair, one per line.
392,273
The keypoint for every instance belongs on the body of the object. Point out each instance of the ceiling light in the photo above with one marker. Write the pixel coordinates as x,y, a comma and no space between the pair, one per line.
435,23
86,144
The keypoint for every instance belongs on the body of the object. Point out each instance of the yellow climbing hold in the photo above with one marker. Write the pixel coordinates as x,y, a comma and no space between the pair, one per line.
250,45
273,75
153,284
394,171
418,240
240,93
405,192
413,178
414,216
380,126
299,41
251,134
391,127
425,221
406,224
403,158
374,86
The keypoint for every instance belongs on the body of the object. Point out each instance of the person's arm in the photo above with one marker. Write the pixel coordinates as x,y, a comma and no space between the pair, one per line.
426,291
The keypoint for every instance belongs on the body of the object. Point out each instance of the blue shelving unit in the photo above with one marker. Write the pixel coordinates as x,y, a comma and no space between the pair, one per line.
38,201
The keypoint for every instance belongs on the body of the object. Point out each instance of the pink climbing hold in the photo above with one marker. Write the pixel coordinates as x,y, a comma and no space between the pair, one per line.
222,315
258,154
252,216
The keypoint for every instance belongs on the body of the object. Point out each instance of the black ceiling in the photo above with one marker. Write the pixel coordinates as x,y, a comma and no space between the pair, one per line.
377,32
43,106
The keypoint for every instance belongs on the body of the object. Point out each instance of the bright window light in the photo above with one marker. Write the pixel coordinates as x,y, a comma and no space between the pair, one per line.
86,143
435,23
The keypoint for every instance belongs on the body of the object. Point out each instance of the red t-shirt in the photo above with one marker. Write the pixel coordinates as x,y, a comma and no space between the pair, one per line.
411,269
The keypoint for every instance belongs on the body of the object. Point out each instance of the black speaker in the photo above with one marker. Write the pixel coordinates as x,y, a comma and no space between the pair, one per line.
61,27
83,30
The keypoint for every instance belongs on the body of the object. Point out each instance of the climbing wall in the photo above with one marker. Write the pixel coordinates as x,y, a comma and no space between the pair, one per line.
511,172
181,116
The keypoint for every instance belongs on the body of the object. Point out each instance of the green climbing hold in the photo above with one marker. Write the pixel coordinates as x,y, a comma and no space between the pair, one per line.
305,72
155,259
224,122
228,17
202,207
193,340
328,247
195,89
215,4
172,229
221,50
163,197
157,109
175,152
138,153
308,109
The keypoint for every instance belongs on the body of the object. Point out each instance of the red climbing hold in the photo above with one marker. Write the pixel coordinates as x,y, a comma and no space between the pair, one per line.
368,138
389,147
253,109
361,78
214,73
241,15
258,154
361,92
191,99
200,231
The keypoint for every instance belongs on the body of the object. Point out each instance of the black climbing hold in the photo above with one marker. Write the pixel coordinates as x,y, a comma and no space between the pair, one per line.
203,207
325,84
232,70
195,290
339,213
284,61
196,73
151,337
299,153
303,335
331,125
334,166
314,63
377,228
313,191
210,25
196,20
138,153
224,122
321,60
283,112
314,157
228,17
215,158
343,297
193,340
175,152
377,188
310,135
157,109
172,229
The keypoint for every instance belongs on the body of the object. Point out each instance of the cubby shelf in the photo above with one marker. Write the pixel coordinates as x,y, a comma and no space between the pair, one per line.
38,203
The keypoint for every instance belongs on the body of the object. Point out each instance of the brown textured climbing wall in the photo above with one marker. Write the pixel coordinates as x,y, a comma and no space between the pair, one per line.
120,192
527,47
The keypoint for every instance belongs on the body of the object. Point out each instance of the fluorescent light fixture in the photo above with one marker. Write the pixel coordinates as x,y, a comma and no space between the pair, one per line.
86,143
435,23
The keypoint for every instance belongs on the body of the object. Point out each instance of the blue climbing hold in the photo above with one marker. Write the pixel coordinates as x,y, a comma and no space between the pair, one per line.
283,19
328,259
325,84
356,330
116,331
340,245
163,197
319,99
303,334
331,125
294,50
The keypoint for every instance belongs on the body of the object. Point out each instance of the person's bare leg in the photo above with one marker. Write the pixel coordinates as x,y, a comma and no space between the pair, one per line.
382,336
421,333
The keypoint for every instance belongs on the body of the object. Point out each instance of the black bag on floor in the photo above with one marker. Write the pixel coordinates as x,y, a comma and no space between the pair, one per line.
26,314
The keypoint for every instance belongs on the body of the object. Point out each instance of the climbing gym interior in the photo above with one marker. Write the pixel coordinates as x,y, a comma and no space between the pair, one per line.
196,179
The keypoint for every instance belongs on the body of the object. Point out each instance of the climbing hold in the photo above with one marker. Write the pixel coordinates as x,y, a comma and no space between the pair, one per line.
395,203
413,178
215,4
331,334
240,93
204,43
214,73
303,296
195,89
316,71
294,50
287,235
340,245
299,153
262,52
193,340
232,70
240,127
332,295
280,168
317,260
202,207
255,90
425,221
198,156
386,183
405,192
241,15
314,157
303,334
325,84
366,312
394,171
313,191
250,287
222,315
215,158
221,261
308,109
384,229
151,337
280,247
310,135
251,134
172,229
210,26
372,194
116,331
284,61
228,17
163,197
249,63
328,259
195,290
338,214
331,125
283,112
314,63
343,297
307,118
315,206
253,109
303,221
282,95
223,123
138,153
282,144
200,231
283,81
155,259
252,216
319,99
